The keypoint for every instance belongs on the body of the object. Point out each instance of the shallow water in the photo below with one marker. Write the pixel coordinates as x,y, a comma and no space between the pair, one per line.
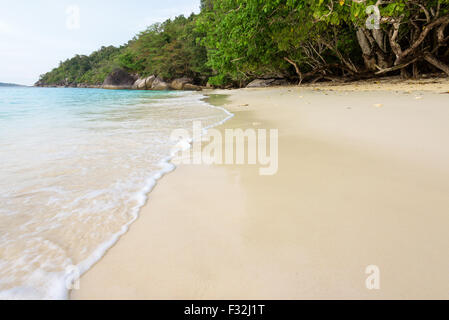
76,166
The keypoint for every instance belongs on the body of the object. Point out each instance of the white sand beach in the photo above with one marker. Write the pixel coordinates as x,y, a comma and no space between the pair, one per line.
363,180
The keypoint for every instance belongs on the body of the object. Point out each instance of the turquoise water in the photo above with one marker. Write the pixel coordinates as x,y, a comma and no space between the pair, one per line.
76,166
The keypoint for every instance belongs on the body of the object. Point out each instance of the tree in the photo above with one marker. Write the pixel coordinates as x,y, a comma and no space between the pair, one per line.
232,42
170,50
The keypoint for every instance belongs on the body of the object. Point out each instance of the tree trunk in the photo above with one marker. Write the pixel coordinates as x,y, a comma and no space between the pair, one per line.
415,70
402,55
395,68
379,36
298,72
430,58
383,60
367,49
405,74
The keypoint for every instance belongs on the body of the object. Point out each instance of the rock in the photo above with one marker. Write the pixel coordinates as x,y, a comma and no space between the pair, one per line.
178,84
149,82
192,87
263,83
139,84
144,83
119,79
159,84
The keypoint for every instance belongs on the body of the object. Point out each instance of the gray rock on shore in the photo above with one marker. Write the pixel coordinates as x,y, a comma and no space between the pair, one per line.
192,87
139,84
263,83
149,82
144,83
119,79
159,84
178,84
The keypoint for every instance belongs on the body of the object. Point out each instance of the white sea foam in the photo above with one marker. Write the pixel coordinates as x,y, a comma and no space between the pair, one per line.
45,240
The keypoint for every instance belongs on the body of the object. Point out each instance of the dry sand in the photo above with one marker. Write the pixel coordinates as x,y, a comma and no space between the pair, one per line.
363,180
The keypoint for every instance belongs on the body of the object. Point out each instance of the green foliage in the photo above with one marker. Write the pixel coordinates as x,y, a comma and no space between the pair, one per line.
234,41
240,43
90,70
253,38
250,38
170,50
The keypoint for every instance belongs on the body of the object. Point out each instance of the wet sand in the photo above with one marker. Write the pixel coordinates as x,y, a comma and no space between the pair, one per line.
363,180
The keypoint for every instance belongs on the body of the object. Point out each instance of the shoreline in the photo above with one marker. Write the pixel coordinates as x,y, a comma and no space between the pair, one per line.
273,242
425,82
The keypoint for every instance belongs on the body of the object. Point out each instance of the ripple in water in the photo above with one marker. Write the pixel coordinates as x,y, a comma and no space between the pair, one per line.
76,165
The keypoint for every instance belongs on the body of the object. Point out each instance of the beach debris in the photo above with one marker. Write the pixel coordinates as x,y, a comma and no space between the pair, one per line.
244,105
378,105
256,124
418,97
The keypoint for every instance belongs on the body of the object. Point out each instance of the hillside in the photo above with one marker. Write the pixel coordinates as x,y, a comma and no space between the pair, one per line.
233,42
10,85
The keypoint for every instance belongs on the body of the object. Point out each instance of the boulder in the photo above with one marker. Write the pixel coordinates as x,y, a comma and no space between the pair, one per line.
192,87
119,79
262,83
149,82
144,83
159,84
280,82
139,84
178,84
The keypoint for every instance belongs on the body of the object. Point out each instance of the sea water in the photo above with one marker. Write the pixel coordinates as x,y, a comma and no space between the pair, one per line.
76,165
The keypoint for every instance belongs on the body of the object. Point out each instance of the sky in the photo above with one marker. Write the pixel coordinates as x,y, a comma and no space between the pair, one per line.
36,35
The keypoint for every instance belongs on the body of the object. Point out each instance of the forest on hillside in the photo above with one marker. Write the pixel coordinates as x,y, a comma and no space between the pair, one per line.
232,42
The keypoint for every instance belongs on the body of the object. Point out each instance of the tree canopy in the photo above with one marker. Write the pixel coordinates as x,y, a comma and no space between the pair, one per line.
232,42
325,38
